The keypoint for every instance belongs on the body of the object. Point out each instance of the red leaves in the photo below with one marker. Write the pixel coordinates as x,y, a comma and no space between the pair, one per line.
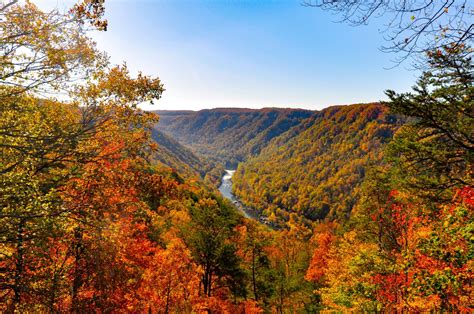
430,269
390,287
466,196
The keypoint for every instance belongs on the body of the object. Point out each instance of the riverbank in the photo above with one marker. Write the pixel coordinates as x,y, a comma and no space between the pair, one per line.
226,190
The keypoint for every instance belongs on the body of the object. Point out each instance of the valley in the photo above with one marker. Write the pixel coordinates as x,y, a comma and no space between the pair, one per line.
228,136
308,165
226,190
111,204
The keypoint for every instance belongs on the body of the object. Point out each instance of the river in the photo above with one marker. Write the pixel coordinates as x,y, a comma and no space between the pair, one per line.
226,190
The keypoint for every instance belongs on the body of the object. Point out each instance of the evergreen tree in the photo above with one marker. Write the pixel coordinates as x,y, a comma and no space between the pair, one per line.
436,150
209,237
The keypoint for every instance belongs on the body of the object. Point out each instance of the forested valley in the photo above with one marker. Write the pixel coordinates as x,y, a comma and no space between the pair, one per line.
109,208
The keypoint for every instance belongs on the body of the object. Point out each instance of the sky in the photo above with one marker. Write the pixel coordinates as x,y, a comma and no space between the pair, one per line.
248,53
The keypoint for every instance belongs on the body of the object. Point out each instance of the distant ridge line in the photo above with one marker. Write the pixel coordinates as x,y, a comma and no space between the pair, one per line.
264,109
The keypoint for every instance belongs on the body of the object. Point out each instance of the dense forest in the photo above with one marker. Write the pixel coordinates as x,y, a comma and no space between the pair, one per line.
106,207
170,153
328,157
230,135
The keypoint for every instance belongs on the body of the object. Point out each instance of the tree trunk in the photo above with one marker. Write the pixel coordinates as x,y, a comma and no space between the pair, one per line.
19,268
77,280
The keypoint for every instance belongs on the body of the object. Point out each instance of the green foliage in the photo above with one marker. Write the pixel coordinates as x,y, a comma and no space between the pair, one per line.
435,151
254,245
208,237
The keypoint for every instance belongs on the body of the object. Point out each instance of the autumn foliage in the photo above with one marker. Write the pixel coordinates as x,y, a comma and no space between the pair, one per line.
93,219
424,263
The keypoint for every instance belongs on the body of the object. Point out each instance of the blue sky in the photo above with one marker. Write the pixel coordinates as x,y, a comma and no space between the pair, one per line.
249,53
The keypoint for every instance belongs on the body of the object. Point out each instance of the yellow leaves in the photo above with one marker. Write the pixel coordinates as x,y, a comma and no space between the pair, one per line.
45,51
92,11
350,236
424,232
6,250
36,131
347,271
115,88
207,203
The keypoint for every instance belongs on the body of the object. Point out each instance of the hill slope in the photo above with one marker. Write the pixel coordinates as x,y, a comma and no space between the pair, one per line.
229,135
316,168
171,153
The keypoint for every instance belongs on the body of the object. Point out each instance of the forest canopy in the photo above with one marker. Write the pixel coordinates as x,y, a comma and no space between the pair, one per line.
101,211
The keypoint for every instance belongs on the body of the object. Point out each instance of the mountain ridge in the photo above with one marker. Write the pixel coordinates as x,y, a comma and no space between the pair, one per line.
229,135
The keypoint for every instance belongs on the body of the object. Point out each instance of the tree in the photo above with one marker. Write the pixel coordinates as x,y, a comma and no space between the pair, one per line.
42,52
171,283
208,236
30,205
290,257
414,26
343,275
435,150
421,262
431,266
443,264
44,142
254,245
93,11
319,261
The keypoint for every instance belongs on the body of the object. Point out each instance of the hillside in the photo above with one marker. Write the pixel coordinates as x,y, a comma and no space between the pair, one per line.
171,153
229,135
316,168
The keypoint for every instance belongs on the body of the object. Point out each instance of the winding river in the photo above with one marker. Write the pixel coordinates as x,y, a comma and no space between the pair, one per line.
226,190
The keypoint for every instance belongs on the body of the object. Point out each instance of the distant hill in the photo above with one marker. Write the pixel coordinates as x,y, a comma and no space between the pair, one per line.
229,135
316,168
172,154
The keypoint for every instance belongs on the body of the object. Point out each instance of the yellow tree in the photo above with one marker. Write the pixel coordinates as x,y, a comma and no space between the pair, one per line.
44,142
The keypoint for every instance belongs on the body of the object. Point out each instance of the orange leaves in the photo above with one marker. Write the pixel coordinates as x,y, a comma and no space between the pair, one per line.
171,281
319,261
